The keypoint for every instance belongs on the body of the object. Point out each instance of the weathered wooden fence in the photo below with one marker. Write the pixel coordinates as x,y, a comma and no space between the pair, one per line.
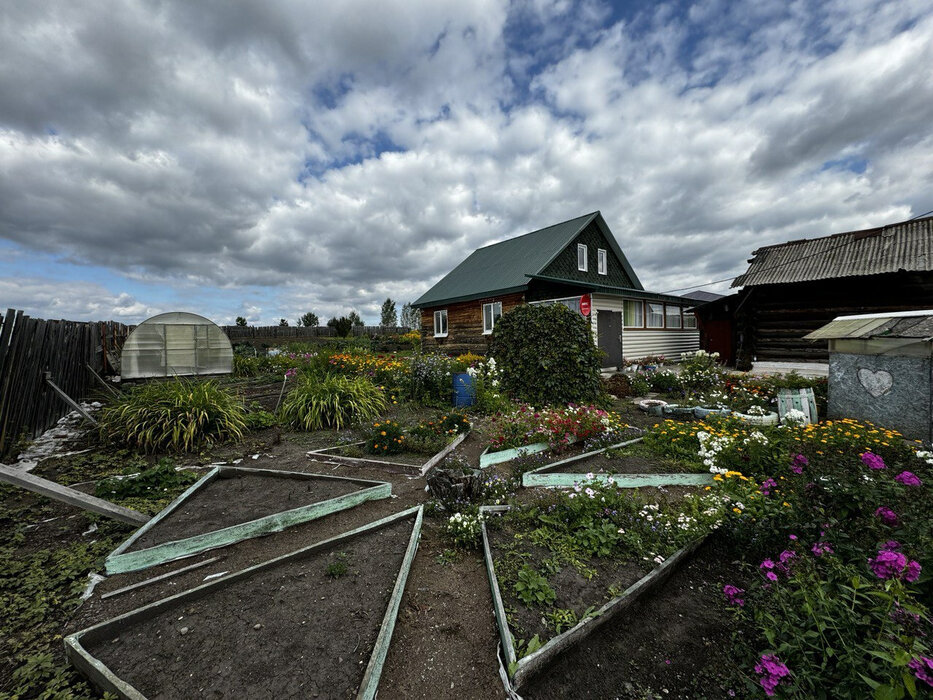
32,347
249,333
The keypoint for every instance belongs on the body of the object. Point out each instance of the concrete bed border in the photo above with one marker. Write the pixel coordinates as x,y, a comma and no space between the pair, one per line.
549,475
121,561
520,670
105,679
421,469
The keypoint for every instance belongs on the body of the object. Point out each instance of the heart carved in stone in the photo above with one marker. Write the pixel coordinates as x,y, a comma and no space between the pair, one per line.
876,383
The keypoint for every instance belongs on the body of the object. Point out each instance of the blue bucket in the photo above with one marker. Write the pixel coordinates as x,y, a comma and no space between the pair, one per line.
464,389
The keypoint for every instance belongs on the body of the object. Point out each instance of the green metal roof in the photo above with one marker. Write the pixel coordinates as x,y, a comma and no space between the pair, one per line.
506,266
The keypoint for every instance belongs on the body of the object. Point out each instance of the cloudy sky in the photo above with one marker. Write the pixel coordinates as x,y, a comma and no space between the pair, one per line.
262,159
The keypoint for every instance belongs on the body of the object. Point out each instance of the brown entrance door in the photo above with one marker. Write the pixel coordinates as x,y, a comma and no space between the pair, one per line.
609,336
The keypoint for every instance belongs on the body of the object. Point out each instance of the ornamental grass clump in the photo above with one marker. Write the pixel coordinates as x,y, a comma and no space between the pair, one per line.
332,402
180,415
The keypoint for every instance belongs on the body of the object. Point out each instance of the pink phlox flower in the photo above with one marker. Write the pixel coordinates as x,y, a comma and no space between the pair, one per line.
771,576
908,479
923,669
873,461
734,595
772,672
821,548
766,564
786,556
889,564
887,516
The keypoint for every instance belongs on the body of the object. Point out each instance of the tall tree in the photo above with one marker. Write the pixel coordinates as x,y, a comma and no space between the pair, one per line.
308,319
355,318
342,325
241,322
389,317
283,322
411,317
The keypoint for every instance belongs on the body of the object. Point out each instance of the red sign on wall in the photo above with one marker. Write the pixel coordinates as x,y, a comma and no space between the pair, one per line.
585,305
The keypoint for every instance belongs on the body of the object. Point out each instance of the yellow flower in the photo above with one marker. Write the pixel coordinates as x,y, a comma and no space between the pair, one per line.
383,433
737,510
786,504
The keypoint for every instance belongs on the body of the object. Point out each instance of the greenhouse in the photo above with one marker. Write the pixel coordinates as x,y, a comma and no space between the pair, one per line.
176,344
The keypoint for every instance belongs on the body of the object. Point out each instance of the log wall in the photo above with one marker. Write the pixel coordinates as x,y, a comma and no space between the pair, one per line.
464,325
772,320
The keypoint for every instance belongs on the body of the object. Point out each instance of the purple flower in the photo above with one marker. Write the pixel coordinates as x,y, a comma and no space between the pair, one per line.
893,545
873,461
888,516
767,485
786,556
771,576
734,595
908,479
923,669
889,564
793,537
798,464
290,372
821,548
772,672
766,564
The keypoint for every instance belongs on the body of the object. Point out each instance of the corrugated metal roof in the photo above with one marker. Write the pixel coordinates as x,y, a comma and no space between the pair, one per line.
902,246
913,324
505,266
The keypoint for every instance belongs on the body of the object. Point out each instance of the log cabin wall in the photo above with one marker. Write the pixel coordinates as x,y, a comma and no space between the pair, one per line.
771,320
464,325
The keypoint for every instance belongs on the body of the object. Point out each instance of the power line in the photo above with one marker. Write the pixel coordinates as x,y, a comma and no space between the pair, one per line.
789,262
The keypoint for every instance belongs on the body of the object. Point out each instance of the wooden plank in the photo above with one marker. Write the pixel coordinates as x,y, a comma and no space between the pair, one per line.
623,481
160,577
100,380
427,466
36,484
67,399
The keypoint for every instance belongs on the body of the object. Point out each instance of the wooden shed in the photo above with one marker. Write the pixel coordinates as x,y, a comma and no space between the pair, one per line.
794,288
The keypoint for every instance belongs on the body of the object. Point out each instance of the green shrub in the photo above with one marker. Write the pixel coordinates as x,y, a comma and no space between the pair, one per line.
181,415
546,355
333,402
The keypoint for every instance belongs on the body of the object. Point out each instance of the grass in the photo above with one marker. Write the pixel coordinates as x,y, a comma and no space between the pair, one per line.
332,402
180,415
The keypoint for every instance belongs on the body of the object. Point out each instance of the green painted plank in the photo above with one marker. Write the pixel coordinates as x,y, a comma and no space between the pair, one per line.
370,683
104,678
168,551
626,481
505,635
487,459
555,466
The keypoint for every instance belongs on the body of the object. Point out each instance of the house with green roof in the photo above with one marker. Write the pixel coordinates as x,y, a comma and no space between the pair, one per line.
577,263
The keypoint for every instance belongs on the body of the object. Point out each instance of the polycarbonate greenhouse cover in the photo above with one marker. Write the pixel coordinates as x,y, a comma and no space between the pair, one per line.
176,344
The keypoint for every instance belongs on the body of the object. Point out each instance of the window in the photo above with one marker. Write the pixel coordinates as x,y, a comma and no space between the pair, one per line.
690,320
491,313
582,261
673,316
440,323
601,261
634,316
655,315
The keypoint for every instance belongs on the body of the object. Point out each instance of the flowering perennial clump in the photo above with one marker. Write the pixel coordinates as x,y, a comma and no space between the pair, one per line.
734,595
873,461
887,516
908,479
891,564
771,671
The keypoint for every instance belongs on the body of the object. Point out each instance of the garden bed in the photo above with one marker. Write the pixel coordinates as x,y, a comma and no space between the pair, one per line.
314,622
230,504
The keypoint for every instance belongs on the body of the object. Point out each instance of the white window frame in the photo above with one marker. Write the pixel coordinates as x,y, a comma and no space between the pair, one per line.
602,261
677,314
583,263
693,320
495,314
440,320
641,313
648,305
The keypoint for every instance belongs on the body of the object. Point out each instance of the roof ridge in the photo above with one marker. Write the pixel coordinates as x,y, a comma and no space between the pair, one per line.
864,233
545,228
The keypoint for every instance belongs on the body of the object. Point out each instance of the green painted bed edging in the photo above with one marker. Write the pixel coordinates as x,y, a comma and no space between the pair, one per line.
520,670
623,481
487,458
105,679
121,561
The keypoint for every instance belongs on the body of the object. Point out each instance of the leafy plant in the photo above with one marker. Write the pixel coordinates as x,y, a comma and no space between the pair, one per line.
181,415
337,568
561,619
148,484
259,419
333,402
386,438
465,529
546,355
532,588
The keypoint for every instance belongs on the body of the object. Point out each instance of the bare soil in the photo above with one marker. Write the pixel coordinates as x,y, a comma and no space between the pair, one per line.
289,632
673,643
238,499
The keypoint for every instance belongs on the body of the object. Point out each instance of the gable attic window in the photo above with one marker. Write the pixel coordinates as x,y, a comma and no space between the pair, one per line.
582,258
440,323
601,261
491,313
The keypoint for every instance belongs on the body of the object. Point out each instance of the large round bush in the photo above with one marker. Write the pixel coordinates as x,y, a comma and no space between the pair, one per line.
546,356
